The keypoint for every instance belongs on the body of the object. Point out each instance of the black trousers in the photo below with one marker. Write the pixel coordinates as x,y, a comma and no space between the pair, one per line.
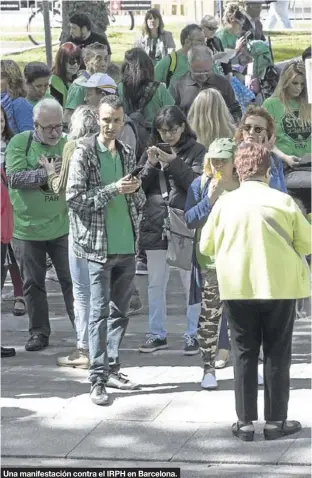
32,257
269,321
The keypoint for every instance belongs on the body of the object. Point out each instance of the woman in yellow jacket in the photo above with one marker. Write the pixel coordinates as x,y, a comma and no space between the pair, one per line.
258,236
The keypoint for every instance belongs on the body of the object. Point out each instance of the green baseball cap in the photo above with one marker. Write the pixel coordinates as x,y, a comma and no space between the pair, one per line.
222,148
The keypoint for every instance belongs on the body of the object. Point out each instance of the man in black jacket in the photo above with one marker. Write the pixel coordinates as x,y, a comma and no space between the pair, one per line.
252,21
200,77
81,33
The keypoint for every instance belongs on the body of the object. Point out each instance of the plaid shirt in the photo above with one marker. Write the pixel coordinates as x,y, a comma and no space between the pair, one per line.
87,198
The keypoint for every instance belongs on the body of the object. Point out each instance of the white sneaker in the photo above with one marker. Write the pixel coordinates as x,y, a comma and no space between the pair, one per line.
8,296
209,381
260,379
222,358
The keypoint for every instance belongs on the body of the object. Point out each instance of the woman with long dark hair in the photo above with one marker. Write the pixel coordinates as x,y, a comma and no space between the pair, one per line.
137,78
155,40
178,165
67,64
8,261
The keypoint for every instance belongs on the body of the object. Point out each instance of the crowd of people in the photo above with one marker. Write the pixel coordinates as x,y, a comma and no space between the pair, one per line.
171,160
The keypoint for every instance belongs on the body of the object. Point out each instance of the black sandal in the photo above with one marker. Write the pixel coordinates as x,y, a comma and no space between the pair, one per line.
278,430
16,311
244,435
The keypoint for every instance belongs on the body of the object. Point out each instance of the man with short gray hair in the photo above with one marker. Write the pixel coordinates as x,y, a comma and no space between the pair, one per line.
200,77
40,216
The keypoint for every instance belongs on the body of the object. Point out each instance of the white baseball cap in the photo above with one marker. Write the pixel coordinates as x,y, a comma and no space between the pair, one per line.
102,81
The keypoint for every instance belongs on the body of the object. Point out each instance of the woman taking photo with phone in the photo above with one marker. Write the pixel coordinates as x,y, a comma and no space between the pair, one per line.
173,162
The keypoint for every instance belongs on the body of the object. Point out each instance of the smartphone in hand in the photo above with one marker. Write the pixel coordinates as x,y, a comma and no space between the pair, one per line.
165,147
135,173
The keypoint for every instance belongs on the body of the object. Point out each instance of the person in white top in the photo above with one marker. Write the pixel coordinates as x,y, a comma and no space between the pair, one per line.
278,12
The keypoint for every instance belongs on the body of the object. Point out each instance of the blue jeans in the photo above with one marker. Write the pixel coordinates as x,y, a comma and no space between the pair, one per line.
158,276
81,289
108,288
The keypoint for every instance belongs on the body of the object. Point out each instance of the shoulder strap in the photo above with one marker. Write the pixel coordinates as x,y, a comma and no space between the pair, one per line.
203,181
148,95
172,67
163,186
29,141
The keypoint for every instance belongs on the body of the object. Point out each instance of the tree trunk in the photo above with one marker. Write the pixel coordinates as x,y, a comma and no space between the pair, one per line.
95,10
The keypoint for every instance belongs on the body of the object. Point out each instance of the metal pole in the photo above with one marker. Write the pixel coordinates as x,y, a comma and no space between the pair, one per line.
47,32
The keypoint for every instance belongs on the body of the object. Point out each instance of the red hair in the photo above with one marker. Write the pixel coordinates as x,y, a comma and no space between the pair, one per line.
251,159
66,51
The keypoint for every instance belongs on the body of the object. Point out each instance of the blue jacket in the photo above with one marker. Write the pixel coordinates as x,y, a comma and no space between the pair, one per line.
19,113
197,210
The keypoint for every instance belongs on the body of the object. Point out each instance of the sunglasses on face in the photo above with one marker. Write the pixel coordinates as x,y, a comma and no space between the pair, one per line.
73,61
257,129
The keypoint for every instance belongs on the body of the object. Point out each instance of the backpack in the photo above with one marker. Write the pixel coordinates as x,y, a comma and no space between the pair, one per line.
138,120
6,211
172,67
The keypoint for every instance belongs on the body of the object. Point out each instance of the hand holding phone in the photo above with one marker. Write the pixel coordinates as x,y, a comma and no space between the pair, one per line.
165,147
135,173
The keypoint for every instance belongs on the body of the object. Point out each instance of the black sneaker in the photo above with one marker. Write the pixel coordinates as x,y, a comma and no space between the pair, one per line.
141,269
37,342
191,346
7,352
121,381
152,344
98,394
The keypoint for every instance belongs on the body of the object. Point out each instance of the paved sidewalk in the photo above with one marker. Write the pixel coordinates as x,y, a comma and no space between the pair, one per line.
47,417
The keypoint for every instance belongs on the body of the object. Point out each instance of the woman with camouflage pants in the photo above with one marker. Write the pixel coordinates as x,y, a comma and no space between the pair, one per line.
203,193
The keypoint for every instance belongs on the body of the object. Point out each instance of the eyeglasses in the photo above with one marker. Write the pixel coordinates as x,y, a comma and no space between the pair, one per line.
211,29
50,129
257,129
73,61
171,131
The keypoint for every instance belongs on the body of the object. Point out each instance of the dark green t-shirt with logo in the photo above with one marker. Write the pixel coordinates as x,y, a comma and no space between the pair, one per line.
293,136
39,214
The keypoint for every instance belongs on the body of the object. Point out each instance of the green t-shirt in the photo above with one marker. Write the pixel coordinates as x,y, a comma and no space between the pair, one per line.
228,39
119,230
161,98
162,68
39,214
76,95
34,102
293,136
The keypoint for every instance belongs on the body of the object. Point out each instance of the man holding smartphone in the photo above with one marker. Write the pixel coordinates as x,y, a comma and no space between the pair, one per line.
104,201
